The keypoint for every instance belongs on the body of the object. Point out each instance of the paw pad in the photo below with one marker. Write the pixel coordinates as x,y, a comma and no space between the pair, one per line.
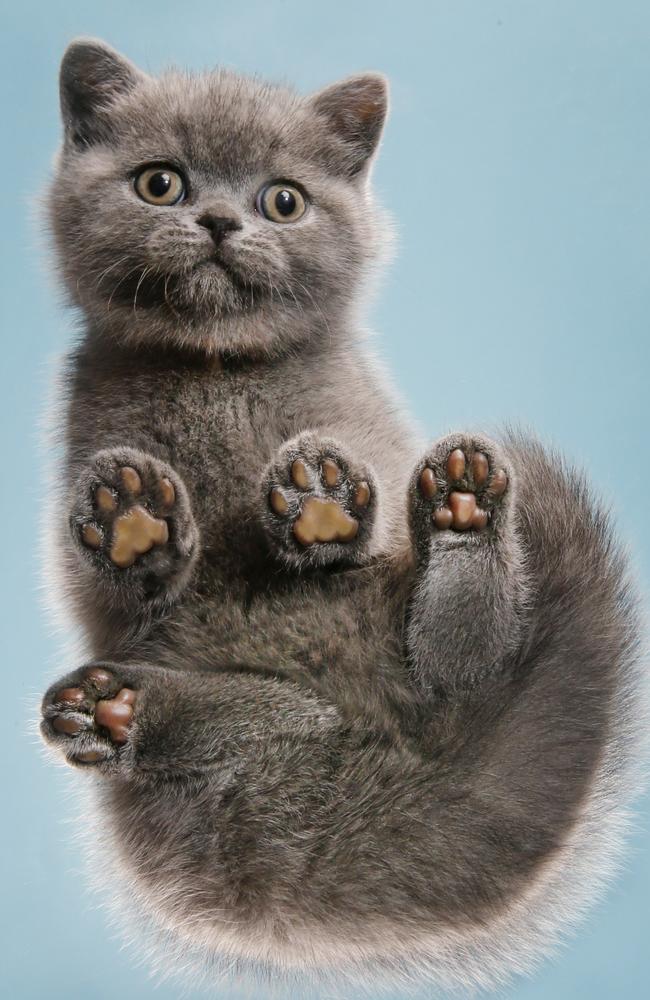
116,714
89,709
321,500
134,533
324,521
126,524
464,489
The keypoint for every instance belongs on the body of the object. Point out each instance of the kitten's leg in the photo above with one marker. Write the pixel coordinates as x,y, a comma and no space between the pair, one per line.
318,504
126,718
468,605
132,526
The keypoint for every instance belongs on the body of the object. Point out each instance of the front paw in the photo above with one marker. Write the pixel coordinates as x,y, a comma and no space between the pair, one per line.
88,717
318,507
132,519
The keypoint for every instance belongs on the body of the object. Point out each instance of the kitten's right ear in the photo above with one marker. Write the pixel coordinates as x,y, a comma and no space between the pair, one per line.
92,75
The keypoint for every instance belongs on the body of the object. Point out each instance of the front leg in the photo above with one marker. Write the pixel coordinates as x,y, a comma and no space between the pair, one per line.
319,505
132,528
468,606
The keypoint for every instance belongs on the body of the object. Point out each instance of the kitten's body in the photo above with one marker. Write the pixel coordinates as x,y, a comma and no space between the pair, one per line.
403,752
223,426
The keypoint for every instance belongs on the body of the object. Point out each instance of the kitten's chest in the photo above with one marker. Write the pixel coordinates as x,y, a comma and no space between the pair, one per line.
217,430
221,435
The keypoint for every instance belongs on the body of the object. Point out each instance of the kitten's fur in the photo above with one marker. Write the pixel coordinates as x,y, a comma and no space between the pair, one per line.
404,757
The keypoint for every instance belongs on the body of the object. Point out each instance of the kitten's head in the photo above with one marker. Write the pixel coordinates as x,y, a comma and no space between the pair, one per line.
214,212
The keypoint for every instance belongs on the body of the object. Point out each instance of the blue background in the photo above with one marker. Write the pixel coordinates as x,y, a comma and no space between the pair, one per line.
516,163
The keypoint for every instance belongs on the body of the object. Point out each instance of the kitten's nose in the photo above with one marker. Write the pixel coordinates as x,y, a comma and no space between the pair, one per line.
218,225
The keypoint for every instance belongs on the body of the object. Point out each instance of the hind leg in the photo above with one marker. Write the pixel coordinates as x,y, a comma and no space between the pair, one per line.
467,607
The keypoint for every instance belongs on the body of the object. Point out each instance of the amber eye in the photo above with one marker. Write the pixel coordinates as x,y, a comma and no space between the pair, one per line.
281,203
160,185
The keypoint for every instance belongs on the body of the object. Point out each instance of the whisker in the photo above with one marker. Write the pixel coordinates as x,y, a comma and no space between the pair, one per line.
137,287
108,269
118,283
167,301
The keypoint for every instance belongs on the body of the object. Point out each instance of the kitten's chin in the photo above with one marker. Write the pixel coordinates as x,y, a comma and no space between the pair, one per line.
257,331
210,309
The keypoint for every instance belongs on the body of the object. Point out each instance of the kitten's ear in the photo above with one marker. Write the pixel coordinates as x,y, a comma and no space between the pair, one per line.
92,75
355,110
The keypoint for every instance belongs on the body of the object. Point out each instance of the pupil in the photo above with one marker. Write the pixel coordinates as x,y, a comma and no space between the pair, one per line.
159,184
285,202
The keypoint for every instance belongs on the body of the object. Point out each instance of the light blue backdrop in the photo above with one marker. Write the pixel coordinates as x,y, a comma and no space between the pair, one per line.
517,164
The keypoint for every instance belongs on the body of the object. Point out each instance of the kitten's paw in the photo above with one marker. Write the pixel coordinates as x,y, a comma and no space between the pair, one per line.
88,717
319,508
461,486
132,517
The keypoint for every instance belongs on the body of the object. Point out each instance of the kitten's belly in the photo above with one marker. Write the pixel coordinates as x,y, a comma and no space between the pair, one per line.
339,634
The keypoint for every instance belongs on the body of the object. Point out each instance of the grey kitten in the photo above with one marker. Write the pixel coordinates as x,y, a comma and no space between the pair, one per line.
354,707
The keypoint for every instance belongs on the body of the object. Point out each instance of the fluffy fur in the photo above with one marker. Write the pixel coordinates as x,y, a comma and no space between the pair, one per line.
408,759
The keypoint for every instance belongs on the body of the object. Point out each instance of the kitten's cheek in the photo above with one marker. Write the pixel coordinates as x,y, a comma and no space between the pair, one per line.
175,251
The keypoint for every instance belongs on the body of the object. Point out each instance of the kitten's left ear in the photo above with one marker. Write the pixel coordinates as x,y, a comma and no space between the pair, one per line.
355,110
92,75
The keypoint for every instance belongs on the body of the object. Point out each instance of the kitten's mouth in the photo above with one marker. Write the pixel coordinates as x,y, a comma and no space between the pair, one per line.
252,291
213,286
216,260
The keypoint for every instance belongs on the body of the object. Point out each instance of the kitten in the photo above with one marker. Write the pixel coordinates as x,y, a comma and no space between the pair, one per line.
354,707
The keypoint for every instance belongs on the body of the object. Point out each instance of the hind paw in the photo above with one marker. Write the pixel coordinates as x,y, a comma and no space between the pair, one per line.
89,716
461,486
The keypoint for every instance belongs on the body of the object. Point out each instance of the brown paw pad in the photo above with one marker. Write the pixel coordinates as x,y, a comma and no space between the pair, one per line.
480,468
456,465
125,527
465,488
278,501
461,514
498,484
300,475
324,521
428,484
131,480
92,536
68,726
116,714
362,494
102,680
135,533
322,500
71,696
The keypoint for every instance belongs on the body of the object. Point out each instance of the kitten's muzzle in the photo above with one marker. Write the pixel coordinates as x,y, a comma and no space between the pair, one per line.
218,225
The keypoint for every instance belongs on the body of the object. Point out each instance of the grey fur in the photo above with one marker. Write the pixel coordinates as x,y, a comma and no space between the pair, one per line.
405,759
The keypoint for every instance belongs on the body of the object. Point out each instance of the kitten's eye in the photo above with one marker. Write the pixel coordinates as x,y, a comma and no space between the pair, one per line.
160,186
281,203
